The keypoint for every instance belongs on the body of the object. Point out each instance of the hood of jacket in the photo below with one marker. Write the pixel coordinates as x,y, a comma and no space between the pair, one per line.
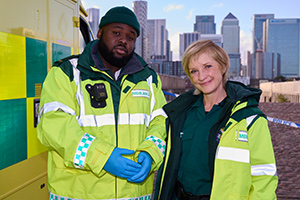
239,92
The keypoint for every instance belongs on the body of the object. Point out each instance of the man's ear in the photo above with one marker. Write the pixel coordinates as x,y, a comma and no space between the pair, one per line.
99,33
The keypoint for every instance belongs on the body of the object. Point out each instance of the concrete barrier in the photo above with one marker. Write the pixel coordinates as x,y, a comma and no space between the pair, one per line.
271,91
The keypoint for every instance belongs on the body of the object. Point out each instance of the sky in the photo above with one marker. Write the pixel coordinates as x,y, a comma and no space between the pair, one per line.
180,15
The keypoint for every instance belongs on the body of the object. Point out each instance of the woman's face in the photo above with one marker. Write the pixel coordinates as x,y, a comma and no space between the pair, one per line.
206,74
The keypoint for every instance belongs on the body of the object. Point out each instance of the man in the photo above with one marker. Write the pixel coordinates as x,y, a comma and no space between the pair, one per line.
101,117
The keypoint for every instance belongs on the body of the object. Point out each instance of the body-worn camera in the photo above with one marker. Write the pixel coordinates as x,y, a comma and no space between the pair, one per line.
98,94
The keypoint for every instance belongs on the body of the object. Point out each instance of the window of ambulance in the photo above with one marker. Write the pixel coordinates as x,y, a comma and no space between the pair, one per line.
85,34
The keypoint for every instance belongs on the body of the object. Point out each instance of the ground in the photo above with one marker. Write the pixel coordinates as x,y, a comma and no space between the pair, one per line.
286,143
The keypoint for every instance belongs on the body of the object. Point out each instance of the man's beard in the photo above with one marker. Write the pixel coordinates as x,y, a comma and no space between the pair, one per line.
109,56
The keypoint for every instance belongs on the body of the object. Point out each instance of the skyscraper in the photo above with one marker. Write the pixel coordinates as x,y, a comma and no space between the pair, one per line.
157,38
283,36
205,24
186,39
93,18
263,65
230,30
257,32
140,10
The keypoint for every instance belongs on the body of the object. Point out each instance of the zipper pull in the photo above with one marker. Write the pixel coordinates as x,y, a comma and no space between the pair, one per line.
181,134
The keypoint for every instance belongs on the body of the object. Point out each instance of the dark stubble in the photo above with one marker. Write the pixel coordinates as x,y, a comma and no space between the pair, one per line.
109,56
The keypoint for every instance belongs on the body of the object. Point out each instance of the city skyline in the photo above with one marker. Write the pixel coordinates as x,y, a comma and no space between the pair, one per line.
180,16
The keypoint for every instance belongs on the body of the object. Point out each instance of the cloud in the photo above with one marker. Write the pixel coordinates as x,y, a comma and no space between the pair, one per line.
171,7
245,45
217,5
190,15
174,39
86,5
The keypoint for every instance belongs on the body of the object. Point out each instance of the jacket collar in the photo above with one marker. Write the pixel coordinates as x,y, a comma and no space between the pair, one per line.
179,105
90,61
236,91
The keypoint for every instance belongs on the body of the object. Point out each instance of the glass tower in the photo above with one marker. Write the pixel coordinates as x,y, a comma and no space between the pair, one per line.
93,18
205,24
140,10
282,36
257,32
230,30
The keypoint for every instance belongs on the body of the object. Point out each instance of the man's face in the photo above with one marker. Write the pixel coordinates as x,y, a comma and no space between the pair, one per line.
116,43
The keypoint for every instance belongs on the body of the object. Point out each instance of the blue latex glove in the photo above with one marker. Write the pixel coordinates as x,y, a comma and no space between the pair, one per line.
146,161
120,166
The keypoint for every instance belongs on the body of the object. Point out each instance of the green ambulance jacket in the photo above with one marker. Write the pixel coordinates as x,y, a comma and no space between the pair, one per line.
242,164
81,132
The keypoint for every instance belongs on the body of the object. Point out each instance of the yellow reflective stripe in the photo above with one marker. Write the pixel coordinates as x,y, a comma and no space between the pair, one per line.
57,197
267,169
133,119
233,154
55,106
82,149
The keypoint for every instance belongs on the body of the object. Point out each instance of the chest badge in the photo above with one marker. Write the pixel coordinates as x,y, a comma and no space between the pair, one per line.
243,136
140,93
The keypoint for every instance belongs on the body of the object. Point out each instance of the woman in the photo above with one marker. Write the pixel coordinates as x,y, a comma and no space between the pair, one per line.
219,145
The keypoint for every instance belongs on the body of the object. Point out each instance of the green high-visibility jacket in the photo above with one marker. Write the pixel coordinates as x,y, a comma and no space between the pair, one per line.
82,125
241,157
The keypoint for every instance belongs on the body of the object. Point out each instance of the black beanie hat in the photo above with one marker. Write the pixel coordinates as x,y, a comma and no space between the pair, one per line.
122,15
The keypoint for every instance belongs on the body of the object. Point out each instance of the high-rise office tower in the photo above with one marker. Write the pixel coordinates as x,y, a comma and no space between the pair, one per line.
140,10
263,65
283,36
186,39
230,30
257,31
93,18
205,24
157,38
168,47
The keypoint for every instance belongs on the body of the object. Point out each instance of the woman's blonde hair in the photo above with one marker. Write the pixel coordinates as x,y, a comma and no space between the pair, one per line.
208,46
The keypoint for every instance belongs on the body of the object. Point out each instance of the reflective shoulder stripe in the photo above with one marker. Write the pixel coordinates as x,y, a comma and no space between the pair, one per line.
79,95
161,145
267,169
55,106
150,81
157,113
57,197
233,154
82,149
250,119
